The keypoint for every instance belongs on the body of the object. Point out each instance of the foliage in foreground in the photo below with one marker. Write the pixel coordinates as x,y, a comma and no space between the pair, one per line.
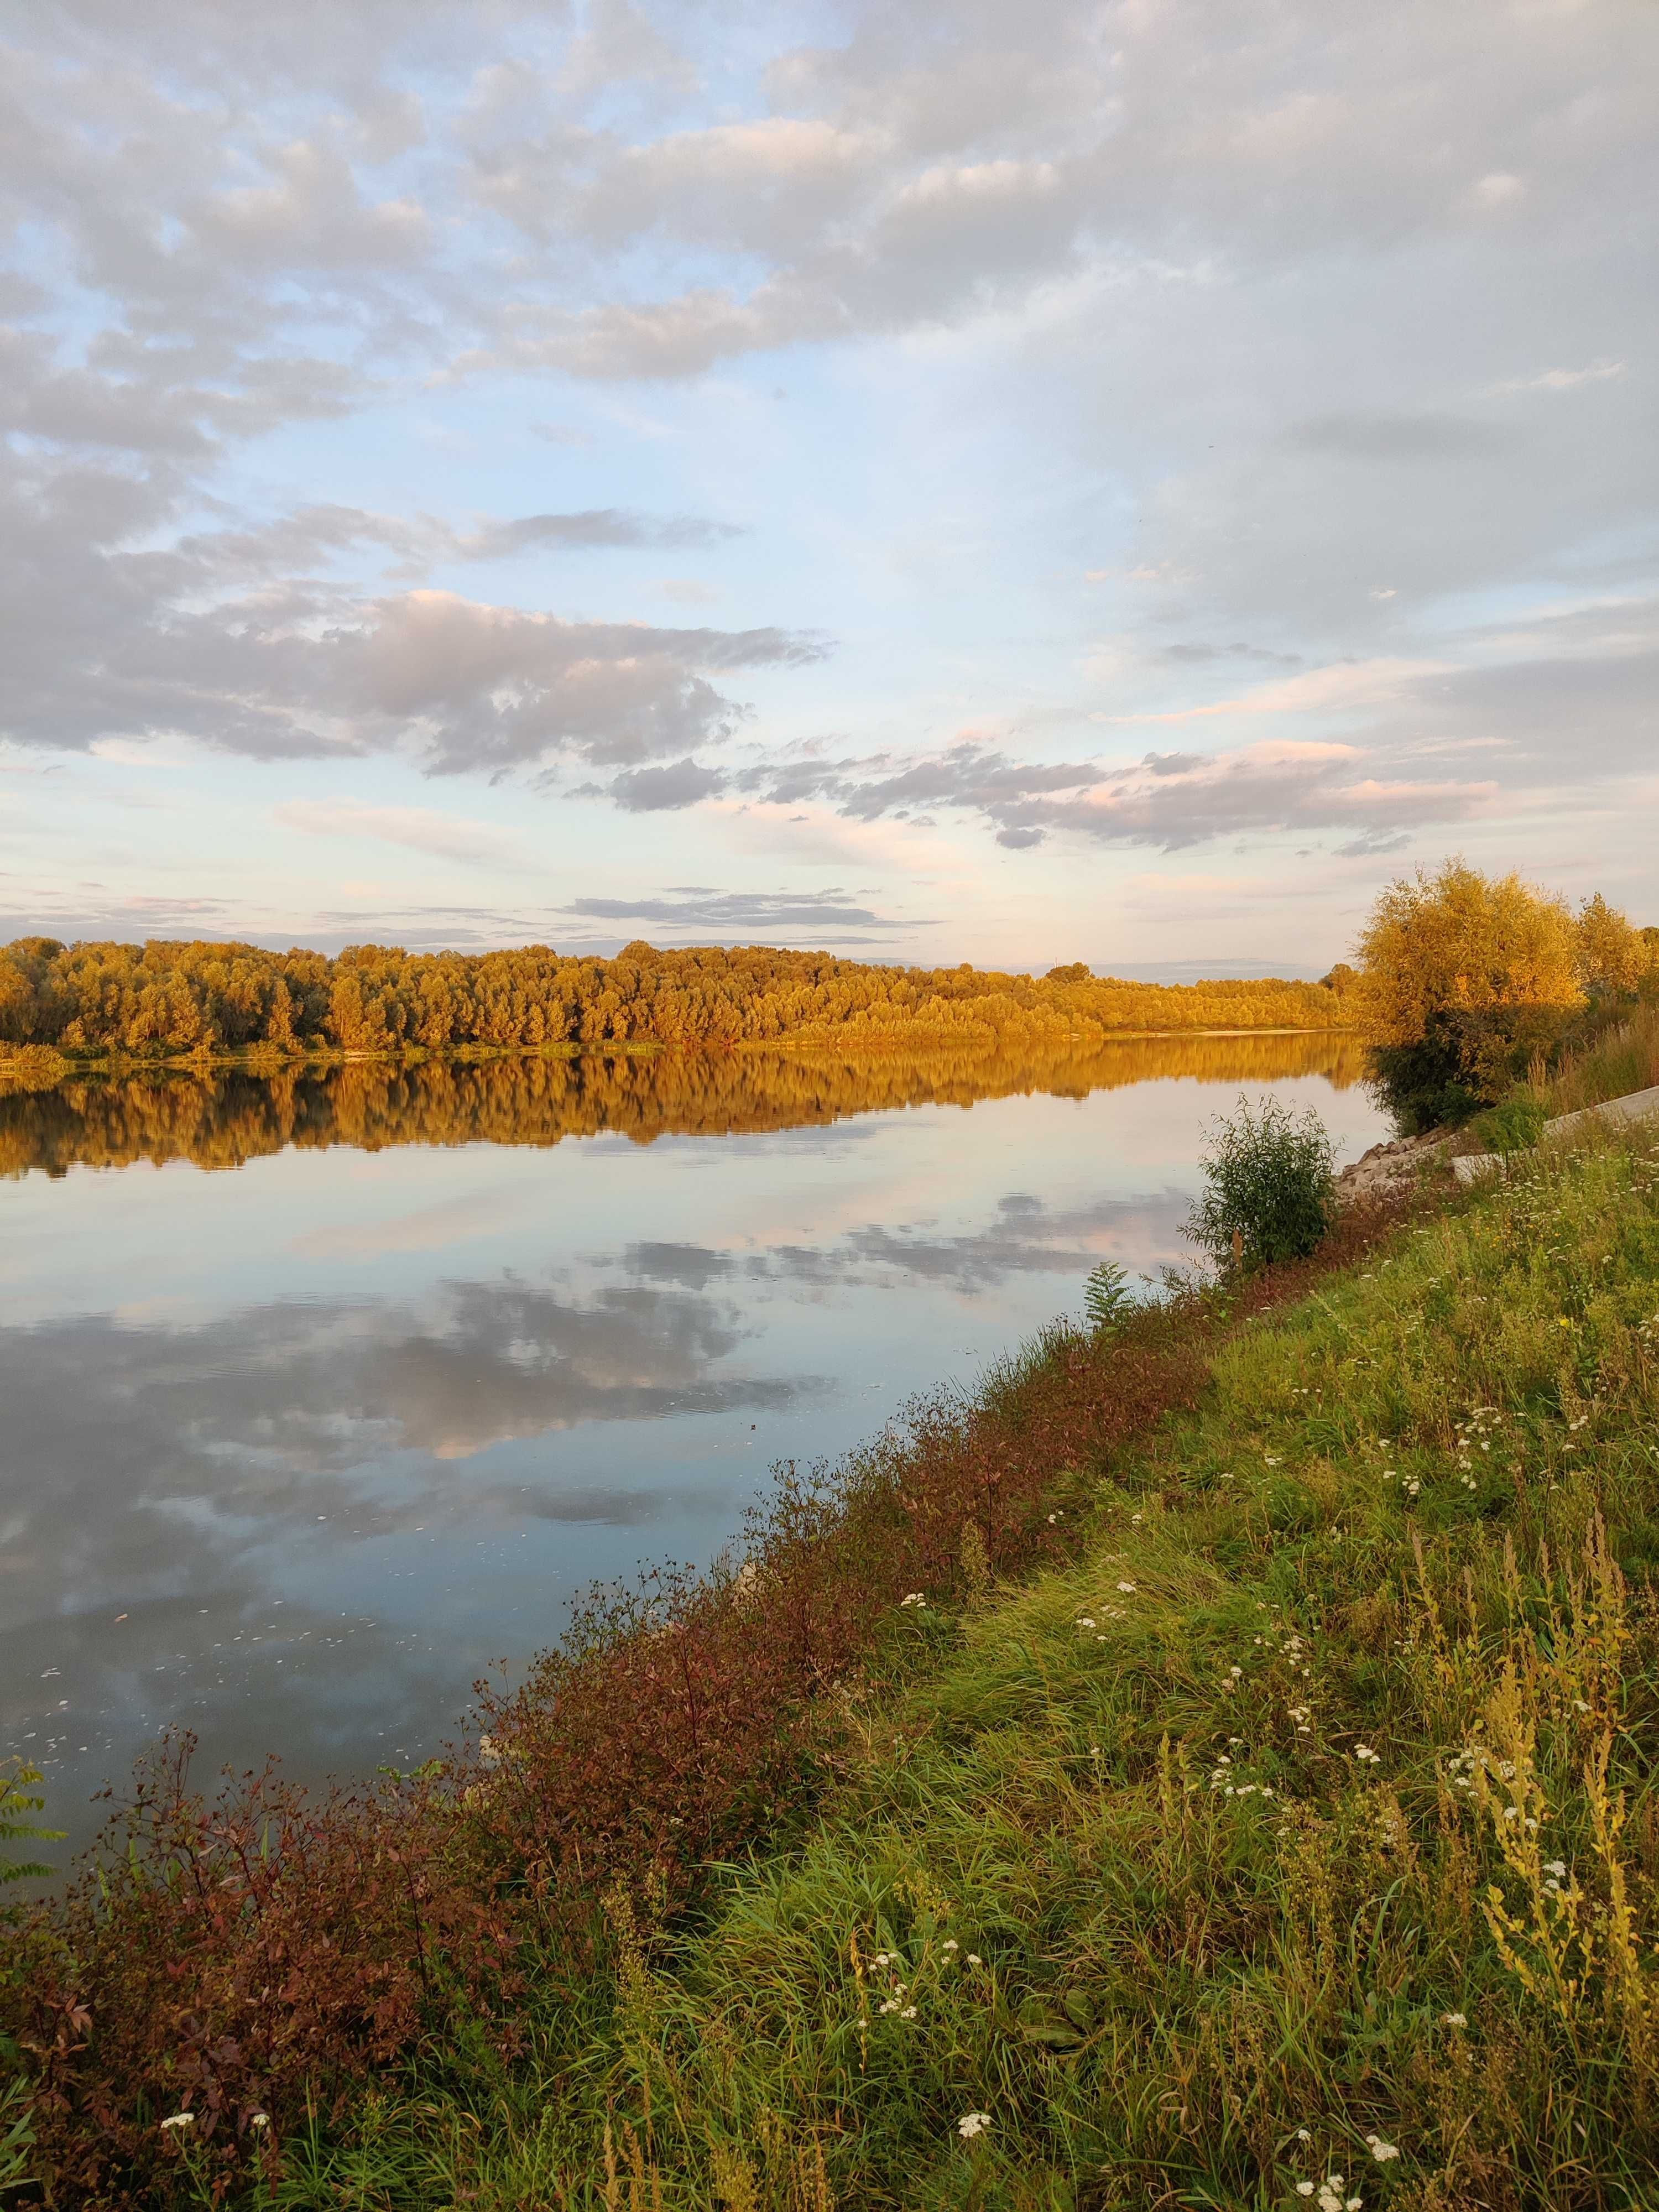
1268,1195
1297,1843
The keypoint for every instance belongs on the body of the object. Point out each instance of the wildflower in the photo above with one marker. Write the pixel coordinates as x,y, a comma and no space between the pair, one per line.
973,2124
974,1958
1126,1586
260,2120
1268,1460
178,2120
950,1944
1085,1620
915,1597
1454,2019
1381,2151
908,2012
1237,1672
1366,1756
1303,2136
1304,2188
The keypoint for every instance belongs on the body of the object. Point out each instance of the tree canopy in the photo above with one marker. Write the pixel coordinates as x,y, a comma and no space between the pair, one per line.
167,999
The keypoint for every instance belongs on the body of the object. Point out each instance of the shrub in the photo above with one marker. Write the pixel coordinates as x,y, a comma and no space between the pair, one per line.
1268,1195
1464,1061
1514,1125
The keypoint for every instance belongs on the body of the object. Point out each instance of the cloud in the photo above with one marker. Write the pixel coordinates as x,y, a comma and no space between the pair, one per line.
1221,263
729,913
1165,800
305,672
677,783
598,526
419,828
1564,380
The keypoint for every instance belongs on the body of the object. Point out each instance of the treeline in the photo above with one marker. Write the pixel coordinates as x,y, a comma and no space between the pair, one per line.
219,1119
167,999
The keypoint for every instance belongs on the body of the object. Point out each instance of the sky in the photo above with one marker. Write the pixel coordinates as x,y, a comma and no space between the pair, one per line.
961,481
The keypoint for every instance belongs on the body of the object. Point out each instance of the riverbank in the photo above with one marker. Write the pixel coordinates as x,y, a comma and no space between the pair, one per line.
1294,1839
1078,1733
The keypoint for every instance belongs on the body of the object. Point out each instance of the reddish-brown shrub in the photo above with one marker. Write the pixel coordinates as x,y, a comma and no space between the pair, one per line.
238,1959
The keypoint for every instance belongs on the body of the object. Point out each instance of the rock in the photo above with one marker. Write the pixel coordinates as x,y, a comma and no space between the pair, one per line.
1392,1169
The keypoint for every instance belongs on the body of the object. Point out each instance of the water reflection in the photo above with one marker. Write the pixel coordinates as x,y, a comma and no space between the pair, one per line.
225,1120
293,1453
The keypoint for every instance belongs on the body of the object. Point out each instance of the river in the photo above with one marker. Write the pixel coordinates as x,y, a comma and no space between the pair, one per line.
323,1394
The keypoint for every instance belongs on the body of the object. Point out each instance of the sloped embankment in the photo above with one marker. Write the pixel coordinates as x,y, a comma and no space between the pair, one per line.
1297,1844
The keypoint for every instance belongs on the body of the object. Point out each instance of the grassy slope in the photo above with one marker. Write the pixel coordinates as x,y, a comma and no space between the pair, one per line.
1236,1813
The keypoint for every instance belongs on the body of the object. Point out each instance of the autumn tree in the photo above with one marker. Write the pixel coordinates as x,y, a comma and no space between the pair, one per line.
1464,978
1612,956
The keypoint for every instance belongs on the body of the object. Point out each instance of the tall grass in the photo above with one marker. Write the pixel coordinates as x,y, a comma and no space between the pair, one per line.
1296,1841
1623,1059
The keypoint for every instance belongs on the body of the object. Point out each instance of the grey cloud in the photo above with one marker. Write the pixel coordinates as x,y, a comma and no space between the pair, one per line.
677,783
1165,800
597,526
317,532
790,912
304,671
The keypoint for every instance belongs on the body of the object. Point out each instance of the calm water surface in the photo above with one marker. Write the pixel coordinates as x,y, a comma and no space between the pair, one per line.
319,1397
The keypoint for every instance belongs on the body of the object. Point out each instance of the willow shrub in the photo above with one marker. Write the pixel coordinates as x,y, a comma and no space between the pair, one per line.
1267,1196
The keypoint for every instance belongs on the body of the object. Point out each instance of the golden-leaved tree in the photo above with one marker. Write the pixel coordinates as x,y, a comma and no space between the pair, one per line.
1466,978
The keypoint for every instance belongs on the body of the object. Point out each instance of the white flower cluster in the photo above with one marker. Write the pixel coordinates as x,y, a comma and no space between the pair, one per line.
973,2124
914,1598
1224,1777
1462,1766
1330,2196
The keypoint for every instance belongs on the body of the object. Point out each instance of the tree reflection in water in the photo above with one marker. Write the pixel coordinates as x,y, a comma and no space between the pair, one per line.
220,1119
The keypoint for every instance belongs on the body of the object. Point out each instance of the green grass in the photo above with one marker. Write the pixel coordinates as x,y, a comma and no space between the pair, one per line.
1207,1863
